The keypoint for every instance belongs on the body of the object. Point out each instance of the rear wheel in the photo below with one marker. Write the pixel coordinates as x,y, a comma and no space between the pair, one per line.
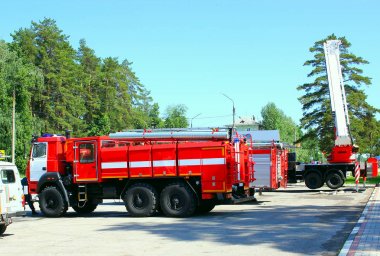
51,202
141,200
87,207
178,200
2,228
313,180
334,180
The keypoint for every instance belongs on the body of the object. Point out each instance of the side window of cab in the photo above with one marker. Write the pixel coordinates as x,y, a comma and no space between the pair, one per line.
39,150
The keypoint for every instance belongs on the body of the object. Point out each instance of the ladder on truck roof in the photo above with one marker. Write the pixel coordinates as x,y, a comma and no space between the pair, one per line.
176,134
337,93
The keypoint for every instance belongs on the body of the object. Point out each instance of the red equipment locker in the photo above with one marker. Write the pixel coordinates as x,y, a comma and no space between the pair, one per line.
206,159
164,160
114,159
140,161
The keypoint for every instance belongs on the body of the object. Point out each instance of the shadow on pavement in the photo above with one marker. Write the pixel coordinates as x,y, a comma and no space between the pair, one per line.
290,229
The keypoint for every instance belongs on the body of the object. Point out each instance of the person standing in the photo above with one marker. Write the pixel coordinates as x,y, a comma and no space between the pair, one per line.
28,197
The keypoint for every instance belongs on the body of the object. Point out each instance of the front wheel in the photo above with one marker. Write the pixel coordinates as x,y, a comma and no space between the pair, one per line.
51,202
3,227
178,200
334,180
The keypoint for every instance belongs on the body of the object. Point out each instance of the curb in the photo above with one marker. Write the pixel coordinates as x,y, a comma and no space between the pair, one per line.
352,241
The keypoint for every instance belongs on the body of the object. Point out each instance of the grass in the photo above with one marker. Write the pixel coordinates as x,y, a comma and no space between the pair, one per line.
351,180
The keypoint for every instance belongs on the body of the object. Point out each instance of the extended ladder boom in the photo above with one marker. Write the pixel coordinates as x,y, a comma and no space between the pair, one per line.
337,93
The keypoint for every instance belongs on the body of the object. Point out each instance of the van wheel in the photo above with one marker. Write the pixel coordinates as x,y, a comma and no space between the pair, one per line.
178,200
334,180
141,200
51,202
2,228
313,180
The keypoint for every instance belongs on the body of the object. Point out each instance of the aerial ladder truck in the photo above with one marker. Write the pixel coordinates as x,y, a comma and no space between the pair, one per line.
342,157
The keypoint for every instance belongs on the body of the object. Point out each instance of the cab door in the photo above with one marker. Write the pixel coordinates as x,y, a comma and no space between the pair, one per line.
85,161
38,161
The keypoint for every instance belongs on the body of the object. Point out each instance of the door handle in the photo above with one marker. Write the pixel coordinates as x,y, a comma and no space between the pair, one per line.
44,168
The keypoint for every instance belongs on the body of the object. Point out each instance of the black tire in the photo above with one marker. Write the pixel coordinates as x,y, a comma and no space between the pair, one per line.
141,200
313,180
334,180
51,202
3,227
205,207
178,200
85,208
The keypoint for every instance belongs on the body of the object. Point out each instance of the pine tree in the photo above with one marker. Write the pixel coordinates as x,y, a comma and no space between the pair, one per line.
317,117
16,75
90,80
56,103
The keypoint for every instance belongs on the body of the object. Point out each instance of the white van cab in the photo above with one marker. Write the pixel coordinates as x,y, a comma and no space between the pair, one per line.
11,194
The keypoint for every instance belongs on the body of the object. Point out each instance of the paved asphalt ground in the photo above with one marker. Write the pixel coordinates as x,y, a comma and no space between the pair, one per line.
292,221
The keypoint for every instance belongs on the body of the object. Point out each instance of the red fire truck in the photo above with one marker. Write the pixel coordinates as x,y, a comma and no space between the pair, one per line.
271,161
270,157
177,172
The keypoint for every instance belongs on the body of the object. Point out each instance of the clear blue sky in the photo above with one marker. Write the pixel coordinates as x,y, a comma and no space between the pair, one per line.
189,52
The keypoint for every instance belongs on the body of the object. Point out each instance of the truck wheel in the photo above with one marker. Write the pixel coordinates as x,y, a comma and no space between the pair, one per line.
334,180
51,202
141,200
2,228
313,180
87,207
177,200
205,207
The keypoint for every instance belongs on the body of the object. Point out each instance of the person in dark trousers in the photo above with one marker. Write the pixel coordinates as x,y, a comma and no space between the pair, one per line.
28,197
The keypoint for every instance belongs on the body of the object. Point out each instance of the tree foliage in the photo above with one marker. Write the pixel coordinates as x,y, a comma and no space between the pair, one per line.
175,117
59,87
19,77
274,118
317,118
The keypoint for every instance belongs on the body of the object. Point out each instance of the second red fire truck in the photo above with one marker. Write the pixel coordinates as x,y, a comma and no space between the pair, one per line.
177,172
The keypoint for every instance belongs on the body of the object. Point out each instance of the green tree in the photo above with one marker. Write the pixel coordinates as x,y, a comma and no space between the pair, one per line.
90,80
80,91
317,117
154,117
116,101
56,103
175,117
274,118
16,75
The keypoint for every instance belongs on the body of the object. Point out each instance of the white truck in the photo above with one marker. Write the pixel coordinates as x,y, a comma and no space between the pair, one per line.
11,195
